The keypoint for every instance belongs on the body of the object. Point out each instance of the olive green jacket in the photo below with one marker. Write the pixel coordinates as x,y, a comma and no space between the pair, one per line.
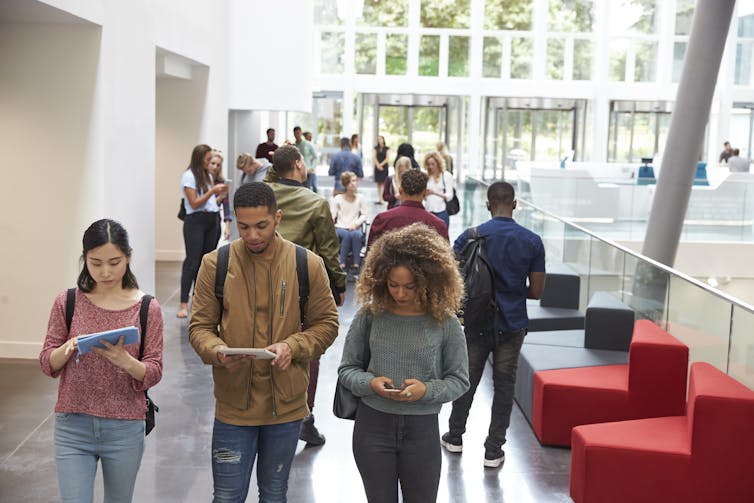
307,221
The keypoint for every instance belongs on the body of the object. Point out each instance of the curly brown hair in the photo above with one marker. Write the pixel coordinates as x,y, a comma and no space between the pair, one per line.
421,250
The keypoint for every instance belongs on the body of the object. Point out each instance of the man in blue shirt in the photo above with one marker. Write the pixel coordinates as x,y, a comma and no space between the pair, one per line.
343,161
515,254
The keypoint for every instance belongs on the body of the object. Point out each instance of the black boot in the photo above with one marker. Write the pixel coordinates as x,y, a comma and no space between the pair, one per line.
309,432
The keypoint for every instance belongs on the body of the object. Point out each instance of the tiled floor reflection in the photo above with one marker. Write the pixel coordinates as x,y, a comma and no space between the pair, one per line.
176,464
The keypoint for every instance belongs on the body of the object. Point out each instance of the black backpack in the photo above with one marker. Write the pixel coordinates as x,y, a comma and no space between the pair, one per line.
479,306
152,408
302,272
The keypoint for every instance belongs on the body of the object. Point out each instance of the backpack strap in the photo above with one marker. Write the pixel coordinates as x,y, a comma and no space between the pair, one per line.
143,317
472,233
302,272
70,304
223,256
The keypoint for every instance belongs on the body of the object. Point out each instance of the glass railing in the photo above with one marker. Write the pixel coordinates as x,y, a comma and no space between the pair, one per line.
717,328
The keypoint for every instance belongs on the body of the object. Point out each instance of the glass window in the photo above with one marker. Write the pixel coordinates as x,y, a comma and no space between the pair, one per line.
427,127
326,12
492,57
365,58
679,54
393,125
743,63
618,50
645,68
329,125
458,56
429,56
508,14
384,13
582,60
684,12
445,14
396,51
746,21
571,15
555,54
331,53
633,16
521,57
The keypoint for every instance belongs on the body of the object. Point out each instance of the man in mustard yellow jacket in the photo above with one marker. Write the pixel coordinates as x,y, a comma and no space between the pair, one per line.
259,402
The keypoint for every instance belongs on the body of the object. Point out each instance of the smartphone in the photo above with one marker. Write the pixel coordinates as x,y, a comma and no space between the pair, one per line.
389,388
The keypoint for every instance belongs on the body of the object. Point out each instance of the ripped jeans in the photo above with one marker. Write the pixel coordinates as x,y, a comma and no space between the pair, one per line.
234,449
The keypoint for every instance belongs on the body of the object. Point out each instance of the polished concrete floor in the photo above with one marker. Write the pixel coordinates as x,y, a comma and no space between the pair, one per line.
176,463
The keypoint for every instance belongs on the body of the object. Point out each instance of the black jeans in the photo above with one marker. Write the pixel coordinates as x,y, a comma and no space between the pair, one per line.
389,448
505,347
201,233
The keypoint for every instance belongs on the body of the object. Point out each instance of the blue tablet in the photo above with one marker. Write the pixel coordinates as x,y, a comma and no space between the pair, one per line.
85,343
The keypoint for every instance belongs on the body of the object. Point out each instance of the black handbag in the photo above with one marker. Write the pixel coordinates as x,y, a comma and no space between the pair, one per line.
345,403
149,419
453,206
182,211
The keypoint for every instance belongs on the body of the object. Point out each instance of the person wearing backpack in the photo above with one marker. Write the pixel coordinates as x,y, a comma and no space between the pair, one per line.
515,255
101,406
260,403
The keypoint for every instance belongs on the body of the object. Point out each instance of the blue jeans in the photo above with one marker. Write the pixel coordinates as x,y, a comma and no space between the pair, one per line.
505,348
81,440
234,449
311,181
350,241
443,215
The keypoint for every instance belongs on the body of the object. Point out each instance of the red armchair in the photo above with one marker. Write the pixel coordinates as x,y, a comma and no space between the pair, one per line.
652,384
705,456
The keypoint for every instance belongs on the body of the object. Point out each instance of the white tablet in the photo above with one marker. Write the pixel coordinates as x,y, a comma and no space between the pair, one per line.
262,354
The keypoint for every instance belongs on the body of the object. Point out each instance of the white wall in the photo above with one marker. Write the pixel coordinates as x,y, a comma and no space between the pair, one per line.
78,94
51,140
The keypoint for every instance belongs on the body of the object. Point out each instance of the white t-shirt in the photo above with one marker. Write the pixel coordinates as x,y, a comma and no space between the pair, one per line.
349,213
188,180
435,203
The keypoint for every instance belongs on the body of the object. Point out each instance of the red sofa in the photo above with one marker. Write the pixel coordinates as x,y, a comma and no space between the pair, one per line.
652,384
705,456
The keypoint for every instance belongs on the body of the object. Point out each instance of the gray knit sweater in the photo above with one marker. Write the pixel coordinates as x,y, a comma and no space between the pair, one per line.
406,347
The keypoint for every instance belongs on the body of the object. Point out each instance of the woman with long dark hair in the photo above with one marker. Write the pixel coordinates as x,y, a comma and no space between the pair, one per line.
380,166
201,228
100,411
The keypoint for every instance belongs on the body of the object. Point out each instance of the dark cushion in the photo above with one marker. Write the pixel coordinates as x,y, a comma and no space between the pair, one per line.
553,318
562,287
609,323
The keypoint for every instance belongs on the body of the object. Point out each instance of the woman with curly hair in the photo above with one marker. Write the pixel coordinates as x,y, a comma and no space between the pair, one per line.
409,290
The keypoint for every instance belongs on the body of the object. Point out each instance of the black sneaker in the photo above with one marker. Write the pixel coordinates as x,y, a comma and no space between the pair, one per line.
493,458
310,434
453,443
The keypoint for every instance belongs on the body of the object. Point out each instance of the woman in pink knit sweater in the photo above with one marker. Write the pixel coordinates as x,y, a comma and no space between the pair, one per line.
101,407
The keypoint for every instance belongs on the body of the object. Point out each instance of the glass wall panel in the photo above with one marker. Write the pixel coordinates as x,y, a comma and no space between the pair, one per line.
396,52
645,68
445,14
555,55
521,57
679,54
326,12
645,289
393,125
519,132
576,254
704,330
554,134
618,52
741,364
508,15
582,59
429,56
386,13
365,59
329,124
744,54
570,15
684,13
633,16
644,136
492,57
331,55
458,56
428,127
606,269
